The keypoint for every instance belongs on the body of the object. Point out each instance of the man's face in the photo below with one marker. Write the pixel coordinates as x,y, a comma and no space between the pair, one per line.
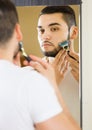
52,30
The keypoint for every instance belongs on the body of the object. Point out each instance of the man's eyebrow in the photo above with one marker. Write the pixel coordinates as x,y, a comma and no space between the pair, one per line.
54,24
51,24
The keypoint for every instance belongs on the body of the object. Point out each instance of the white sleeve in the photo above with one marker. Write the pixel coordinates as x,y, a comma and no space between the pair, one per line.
44,103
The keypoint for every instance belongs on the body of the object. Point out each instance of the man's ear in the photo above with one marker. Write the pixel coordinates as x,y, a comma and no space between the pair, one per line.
18,32
73,32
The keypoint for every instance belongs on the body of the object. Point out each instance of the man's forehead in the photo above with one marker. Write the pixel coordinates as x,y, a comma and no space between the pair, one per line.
50,24
49,16
50,19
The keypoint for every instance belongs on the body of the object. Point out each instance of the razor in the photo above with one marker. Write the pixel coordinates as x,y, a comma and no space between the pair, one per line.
21,48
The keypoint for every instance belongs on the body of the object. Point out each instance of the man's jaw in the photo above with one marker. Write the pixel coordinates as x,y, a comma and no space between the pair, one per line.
46,49
50,53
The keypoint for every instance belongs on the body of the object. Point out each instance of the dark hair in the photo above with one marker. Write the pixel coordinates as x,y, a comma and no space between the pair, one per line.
67,11
8,20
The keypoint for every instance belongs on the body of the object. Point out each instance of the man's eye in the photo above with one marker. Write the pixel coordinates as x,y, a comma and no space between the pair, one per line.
41,31
54,29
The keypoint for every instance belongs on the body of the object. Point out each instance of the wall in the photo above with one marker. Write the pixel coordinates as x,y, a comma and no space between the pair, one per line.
28,16
87,64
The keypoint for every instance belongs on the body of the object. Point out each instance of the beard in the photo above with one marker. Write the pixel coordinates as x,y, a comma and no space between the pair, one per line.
52,53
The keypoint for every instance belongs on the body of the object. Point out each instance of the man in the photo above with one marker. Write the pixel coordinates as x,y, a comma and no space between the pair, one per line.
57,24
26,98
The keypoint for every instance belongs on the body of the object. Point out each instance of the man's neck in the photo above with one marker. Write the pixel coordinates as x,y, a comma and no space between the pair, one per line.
48,59
6,55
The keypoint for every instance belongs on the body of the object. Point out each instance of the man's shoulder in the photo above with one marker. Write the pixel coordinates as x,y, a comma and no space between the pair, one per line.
34,76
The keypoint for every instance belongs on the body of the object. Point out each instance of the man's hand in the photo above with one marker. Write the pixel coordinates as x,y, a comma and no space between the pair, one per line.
73,59
60,65
54,71
42,67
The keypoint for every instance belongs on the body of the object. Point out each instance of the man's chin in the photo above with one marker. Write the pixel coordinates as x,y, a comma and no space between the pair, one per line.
50,54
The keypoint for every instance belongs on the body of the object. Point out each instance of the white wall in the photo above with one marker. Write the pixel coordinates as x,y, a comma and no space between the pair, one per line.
87,63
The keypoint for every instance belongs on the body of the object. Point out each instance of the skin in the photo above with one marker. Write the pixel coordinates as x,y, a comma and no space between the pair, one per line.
52,29
74,64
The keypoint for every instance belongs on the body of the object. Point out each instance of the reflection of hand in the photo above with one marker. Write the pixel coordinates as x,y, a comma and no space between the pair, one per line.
60,65
73,59
42,67
53,71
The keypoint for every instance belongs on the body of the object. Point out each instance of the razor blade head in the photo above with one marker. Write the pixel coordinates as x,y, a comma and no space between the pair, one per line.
64,45
20,46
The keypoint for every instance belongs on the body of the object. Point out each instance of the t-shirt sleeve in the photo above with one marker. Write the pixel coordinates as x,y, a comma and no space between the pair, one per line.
44,103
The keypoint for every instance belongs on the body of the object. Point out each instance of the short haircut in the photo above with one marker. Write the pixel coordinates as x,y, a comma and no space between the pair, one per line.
8,20
67,11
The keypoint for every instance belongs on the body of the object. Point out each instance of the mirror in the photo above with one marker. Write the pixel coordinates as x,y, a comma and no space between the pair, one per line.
28,17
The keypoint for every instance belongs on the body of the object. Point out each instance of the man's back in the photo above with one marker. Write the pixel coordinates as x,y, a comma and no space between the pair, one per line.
24,98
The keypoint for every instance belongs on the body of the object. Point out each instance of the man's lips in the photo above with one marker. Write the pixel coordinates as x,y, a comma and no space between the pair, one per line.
46,43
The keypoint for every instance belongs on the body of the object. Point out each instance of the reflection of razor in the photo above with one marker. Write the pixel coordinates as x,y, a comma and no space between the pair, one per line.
64,45
72,57
23,52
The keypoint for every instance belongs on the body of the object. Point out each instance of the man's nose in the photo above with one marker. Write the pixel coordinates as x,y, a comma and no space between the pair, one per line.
46,35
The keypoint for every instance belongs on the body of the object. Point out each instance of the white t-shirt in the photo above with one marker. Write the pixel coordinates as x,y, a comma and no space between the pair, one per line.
26,98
